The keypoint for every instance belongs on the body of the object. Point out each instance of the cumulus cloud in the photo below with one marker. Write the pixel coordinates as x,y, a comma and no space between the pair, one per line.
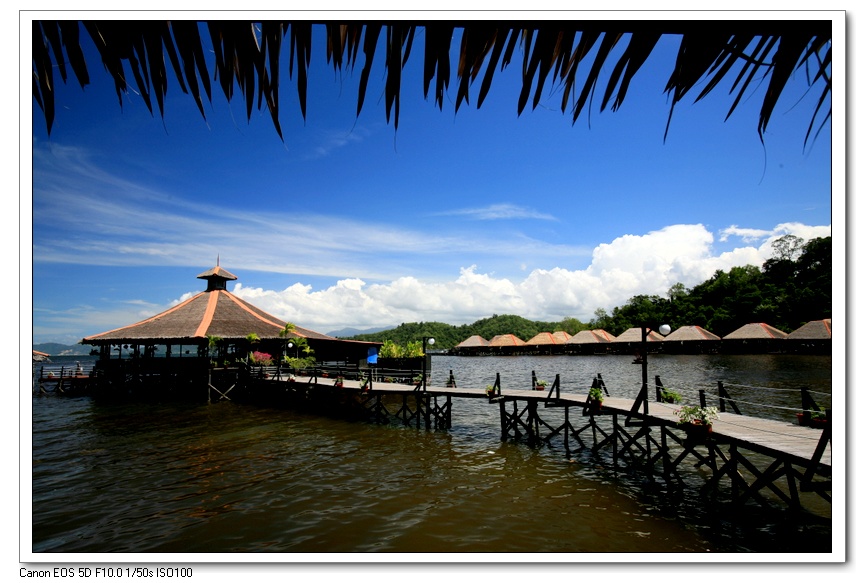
627,266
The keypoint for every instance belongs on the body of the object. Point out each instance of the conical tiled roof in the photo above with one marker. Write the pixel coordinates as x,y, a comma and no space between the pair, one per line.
215,312
754,331
691,333
814,330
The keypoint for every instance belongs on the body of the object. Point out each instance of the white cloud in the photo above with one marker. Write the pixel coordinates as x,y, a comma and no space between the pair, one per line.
806,232
500,211
627,266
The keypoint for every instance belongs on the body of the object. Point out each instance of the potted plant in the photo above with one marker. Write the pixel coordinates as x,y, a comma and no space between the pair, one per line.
670,396
697,420
339,381
596,397
818,418
491,391
540,385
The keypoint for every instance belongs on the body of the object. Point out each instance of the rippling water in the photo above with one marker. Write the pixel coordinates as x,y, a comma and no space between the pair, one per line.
225,477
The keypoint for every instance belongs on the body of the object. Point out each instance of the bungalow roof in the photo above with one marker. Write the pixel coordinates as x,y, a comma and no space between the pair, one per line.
475,341
506,340
690,334
590,337
545,338
813,330
756,331
636,335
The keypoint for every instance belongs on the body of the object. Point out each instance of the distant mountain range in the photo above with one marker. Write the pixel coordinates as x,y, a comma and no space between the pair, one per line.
56,349
349,332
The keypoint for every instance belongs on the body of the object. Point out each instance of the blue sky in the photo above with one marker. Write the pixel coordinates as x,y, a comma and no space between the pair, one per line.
450,217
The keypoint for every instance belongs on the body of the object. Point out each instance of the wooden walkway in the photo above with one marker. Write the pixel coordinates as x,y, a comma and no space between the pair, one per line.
766,436
791,459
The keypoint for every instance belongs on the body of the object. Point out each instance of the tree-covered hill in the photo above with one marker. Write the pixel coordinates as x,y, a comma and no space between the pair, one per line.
448,336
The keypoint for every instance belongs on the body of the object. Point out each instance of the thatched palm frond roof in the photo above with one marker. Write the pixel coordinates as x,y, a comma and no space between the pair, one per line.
743,54
547,338
814,330
691,334
636,335
475,341
756,331
590,337
507,340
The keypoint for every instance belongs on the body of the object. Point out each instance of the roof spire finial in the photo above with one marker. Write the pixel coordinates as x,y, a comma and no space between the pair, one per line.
217,259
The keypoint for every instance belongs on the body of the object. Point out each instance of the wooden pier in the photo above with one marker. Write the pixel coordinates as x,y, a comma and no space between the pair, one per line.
62,379
752,455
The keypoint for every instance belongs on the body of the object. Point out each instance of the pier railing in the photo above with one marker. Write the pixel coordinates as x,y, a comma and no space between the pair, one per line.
758,400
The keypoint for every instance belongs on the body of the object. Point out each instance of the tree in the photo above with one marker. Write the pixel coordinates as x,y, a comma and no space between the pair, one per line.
747,54
788,247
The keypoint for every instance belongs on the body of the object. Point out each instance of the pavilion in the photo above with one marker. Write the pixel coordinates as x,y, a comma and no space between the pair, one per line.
212,329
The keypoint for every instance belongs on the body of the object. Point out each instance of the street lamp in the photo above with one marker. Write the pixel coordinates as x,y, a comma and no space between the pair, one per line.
663,329
426,340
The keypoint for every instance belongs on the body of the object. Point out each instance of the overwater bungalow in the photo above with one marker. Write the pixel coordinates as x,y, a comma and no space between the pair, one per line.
212,329
691,340
506,344
472,345
813,337
631,340
548,342
754,338
589,342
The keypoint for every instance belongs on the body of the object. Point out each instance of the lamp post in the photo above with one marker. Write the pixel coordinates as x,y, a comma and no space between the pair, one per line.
426,340
288,346
664,329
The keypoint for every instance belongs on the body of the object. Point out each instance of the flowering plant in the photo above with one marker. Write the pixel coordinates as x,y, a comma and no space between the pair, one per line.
697,414
262,358
595,394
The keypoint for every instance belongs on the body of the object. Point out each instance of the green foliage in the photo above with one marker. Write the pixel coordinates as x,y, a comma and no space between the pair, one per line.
670,396
448,336
596,394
